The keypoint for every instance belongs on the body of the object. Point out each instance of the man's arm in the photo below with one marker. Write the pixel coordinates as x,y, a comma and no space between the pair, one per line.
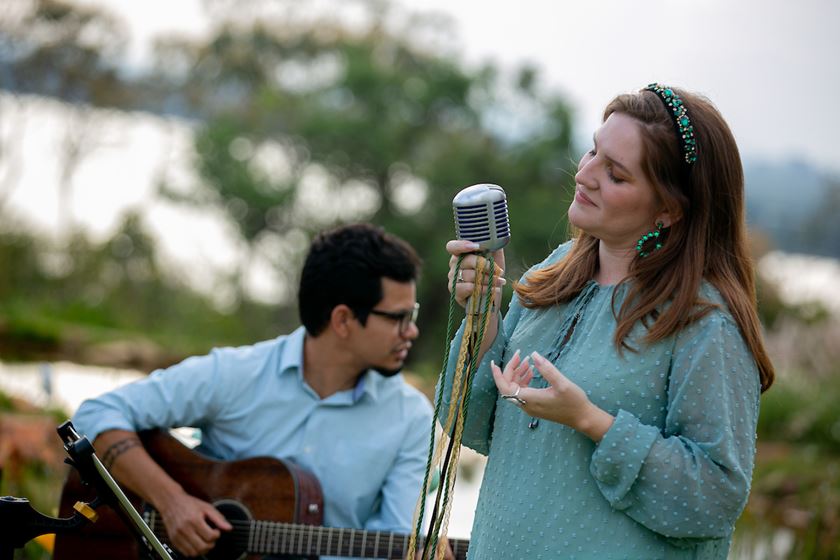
192,524
181,395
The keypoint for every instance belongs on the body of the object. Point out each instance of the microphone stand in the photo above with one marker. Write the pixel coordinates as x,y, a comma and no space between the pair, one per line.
20,522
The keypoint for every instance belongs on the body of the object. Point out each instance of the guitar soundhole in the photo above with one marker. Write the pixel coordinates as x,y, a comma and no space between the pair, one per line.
231,545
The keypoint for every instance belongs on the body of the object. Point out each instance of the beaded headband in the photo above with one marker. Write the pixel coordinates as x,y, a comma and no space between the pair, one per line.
685,130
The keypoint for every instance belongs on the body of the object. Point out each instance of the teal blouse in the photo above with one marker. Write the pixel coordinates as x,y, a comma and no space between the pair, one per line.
669,478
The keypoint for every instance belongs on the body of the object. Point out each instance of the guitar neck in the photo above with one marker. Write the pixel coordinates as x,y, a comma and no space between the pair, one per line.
271,537
286,538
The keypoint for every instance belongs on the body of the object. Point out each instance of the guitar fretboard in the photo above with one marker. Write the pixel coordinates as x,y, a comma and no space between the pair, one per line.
270,537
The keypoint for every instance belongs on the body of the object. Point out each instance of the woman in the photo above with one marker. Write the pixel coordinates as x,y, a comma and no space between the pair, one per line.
623,422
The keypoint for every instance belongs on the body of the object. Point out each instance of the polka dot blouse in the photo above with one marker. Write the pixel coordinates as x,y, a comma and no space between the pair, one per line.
669,478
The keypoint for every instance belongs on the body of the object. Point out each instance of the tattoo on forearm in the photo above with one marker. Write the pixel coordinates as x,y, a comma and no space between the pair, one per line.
117,449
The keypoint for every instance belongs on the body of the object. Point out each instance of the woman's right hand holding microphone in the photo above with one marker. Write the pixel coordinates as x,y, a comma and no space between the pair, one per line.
467,272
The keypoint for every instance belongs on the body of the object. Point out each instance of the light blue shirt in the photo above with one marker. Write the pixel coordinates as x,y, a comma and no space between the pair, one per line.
671,475
367,446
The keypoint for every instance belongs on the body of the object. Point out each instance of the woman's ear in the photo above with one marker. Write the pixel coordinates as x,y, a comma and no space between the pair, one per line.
668,218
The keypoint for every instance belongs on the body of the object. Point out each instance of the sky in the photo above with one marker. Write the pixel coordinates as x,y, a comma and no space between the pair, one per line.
769,65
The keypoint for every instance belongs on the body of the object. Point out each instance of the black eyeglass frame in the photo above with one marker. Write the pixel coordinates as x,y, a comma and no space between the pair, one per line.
404,318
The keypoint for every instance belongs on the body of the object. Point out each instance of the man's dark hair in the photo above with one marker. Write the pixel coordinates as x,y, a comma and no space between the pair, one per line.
345,266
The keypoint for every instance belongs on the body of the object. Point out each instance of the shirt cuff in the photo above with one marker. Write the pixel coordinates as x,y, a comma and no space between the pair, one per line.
619,458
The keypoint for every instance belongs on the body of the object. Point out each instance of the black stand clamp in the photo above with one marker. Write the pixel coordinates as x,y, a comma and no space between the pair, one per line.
20,522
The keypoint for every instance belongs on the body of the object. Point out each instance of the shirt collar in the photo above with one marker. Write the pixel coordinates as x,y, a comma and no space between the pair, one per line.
292,356
291,359
368,383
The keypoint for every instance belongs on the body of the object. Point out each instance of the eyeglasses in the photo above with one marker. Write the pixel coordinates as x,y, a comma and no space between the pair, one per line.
405,318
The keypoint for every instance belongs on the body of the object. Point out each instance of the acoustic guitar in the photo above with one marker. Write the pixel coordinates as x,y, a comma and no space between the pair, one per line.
275,507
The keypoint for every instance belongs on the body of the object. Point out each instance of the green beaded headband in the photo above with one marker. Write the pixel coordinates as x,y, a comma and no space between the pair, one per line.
680,115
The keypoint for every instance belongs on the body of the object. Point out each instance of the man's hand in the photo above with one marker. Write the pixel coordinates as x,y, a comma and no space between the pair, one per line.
193,525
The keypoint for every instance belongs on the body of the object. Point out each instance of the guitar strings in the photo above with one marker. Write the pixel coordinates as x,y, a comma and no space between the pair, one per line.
280,537
288,538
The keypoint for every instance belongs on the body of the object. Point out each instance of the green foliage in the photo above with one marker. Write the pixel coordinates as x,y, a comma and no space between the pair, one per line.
821,235
25,327
802,410
770,304
62,49
368,115
795,496
59,302
5,402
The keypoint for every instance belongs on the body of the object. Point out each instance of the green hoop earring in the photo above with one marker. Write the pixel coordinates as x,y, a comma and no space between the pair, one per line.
650,236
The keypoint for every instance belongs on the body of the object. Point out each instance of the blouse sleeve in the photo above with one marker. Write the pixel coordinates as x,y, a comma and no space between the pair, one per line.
691,480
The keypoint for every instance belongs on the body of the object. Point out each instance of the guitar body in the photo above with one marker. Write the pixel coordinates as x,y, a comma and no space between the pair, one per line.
261,488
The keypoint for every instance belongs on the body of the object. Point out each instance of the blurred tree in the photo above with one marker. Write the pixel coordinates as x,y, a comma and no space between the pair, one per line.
109,303
309,121
63,50
325,122
821,231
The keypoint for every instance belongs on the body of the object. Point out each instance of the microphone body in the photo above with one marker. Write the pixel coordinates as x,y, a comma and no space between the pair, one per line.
481,216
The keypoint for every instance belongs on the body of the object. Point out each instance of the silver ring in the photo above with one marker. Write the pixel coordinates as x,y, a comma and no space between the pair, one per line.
515,398
460,275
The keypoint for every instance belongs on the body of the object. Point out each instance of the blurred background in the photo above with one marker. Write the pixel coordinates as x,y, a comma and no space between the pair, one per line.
163,166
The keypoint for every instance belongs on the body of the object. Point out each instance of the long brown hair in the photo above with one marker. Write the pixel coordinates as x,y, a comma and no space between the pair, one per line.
708,240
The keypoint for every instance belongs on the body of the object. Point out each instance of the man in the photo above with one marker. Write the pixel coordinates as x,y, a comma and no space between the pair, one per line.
327,396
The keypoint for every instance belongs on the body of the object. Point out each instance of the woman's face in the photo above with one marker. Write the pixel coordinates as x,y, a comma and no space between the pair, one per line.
614,200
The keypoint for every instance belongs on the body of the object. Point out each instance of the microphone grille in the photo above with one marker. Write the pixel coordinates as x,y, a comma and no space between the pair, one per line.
481,216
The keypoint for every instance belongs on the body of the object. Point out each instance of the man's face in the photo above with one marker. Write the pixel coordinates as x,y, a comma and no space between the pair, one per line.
384,341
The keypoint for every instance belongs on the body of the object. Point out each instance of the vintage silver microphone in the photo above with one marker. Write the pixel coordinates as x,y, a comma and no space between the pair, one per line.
481,216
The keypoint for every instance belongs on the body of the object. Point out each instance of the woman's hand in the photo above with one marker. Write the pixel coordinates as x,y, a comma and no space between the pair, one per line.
466,277
562,401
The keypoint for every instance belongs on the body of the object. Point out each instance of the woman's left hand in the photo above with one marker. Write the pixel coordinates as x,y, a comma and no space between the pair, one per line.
562,401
